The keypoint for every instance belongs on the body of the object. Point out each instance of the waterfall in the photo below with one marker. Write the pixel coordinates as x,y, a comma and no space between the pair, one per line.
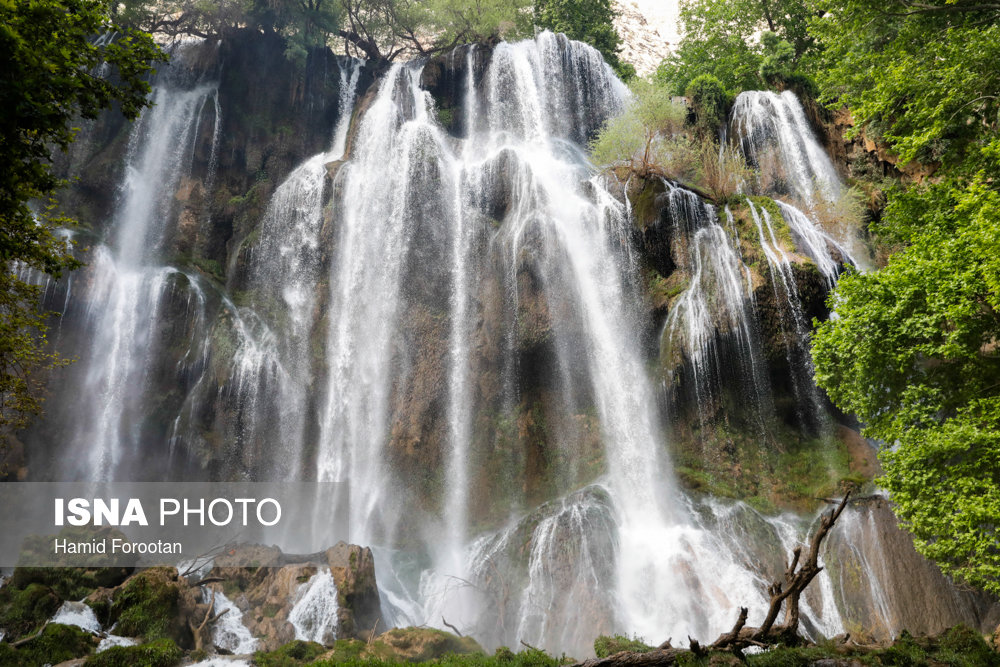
714,316
79,615
126,288
314,609
448,319
773,127
228,632
794,328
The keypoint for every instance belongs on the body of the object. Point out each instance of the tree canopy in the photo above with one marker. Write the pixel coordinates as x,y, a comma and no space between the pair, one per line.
913,349
382,30
60,60
742,43
590,21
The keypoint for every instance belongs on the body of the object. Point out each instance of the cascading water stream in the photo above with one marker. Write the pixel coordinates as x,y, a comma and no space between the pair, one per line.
769,125
126,289
314,609
715,313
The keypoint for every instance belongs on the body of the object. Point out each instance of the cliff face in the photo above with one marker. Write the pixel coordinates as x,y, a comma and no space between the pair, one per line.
416,285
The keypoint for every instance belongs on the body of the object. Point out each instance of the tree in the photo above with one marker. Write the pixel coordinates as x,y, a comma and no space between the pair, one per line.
721,39
590,21
913,349
49,77
920,75
913,352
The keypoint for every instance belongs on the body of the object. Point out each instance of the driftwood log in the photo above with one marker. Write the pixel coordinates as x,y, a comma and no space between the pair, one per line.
798,574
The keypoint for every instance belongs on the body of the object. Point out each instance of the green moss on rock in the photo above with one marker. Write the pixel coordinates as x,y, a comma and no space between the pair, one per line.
147,605
56,644
23,612
297,652
605,645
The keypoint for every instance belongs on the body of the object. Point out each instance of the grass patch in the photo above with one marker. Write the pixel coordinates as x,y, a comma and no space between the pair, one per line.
159,653
605,645
56,644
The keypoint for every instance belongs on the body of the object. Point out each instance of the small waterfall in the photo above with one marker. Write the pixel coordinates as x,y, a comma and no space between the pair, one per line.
275,365
229,633
78,614
714,316
124,291
773,127
795,329
314,609
827,253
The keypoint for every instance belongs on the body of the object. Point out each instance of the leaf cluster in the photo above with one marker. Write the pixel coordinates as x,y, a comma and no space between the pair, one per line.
745,44
913,352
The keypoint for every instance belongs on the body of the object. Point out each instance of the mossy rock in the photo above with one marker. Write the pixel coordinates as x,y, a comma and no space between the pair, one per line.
147,605
422,644
159,653
56,644
23,611
70,583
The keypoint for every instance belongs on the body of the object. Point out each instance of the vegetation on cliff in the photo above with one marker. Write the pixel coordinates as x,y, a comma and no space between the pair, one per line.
382,30
914,350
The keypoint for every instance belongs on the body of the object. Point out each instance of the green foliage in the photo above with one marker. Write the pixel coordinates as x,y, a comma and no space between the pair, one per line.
159,653
778,59
23,611
49,77
921,75
69,583
913,352
605,645
590,21
710,103
296,652
957,647
651,138
721,39
464,21
648,138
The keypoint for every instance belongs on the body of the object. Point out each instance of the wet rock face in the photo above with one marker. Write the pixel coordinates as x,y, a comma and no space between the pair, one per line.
267,595
879,575
353,570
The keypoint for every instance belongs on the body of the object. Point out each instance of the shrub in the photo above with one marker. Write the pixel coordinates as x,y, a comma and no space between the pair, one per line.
709,103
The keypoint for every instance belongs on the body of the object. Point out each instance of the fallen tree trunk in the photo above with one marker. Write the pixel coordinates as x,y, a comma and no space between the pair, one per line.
630,659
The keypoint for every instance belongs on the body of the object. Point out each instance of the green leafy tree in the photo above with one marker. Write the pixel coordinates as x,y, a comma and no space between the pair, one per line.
721,39
913,349
922,75
590,21
709,102
49,77
653,139
913,352
648,138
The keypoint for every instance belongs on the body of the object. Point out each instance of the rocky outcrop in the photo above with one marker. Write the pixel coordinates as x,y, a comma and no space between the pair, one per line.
267,595
884,586
649,31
